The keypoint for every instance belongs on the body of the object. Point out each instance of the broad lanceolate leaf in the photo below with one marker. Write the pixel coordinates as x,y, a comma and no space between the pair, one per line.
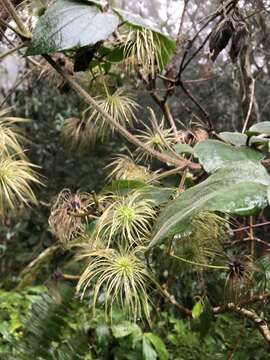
234,138
206,318
260,128
126,328
183,148
239,188
122,187
148,352
71,24
158,345
166,46
158,195
239,139
136,19
214,154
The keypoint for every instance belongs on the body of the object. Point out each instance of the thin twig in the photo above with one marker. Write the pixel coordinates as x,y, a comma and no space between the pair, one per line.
196,102
251,102
253,226
165,174
162,137
7,25
11,51
166,111
18,83
182,20
13,13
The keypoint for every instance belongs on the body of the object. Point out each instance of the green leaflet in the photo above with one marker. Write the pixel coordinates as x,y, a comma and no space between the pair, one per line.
197,309
234,138
71,24
167,45
260,128
214,154
158,344
238,188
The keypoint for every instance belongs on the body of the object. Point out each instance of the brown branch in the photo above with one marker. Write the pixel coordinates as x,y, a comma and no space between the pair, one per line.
161,102
230,307
195,53
122,130
254,299
247,314
253,226
185,311
227,7
247,240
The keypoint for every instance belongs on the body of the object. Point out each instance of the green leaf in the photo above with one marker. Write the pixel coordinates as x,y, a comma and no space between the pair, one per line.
206,319
197,309
71,24
148,352
122,187
239,188
159,195
116,55
158,345
124,329
183,148
260,128
235,138
167,45
214,154
238,139
136,19
180,149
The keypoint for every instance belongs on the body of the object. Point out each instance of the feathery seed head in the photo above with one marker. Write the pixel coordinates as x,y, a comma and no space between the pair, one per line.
10,135
68,215
122,275
79,134
128,218
143,48
239,280
204,241
16,175
156,137
125,168
120,105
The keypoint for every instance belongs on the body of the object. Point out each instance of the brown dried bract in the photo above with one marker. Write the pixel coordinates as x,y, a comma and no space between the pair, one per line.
240,40
219,38
192,136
